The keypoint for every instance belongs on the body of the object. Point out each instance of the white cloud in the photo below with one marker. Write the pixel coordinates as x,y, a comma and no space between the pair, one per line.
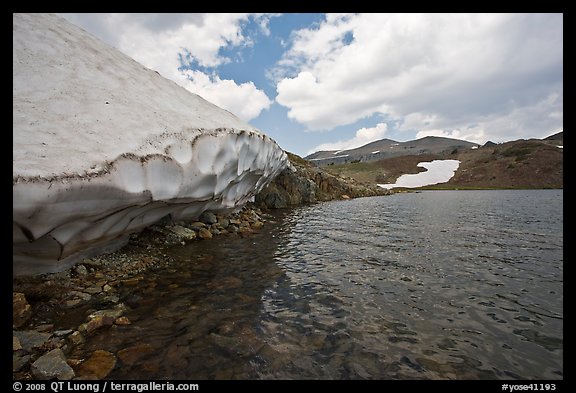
159,41
539,120
363,136
436,71
244,100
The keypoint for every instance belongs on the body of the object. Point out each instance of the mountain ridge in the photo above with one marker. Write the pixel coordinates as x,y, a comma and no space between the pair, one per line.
522,163
386,148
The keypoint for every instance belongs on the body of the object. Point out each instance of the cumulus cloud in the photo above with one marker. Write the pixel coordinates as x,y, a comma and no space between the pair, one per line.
244,100
437,72
363,136
167,42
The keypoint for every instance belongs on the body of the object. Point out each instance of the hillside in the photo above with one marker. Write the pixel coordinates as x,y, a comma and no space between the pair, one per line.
387,148
532,163
517,164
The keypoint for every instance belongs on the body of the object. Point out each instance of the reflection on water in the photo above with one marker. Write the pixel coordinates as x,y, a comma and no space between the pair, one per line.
430,285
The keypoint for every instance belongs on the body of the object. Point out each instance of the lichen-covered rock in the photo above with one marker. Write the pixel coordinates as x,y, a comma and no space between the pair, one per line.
103,147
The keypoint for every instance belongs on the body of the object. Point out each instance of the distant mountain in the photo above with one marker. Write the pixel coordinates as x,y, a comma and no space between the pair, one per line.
555,137
524,163
387,148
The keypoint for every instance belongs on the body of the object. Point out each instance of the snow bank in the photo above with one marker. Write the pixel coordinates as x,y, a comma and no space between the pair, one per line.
103,147
438,171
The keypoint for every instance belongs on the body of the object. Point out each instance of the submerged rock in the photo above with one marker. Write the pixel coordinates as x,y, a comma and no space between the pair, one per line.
98,365
97,158
131,355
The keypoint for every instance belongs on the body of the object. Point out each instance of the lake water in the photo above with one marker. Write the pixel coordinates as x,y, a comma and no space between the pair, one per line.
427,285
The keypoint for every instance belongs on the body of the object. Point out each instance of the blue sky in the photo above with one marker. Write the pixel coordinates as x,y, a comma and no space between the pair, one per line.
336,81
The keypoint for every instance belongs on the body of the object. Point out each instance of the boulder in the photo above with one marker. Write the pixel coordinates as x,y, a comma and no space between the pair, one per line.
52,365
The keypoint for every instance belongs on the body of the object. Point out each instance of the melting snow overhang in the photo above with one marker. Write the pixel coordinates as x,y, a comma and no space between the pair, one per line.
103,147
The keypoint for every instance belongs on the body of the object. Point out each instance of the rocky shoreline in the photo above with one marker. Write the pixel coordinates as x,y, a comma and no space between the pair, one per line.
41,350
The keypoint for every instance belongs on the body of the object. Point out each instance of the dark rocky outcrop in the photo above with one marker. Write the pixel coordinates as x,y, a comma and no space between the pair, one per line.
304,183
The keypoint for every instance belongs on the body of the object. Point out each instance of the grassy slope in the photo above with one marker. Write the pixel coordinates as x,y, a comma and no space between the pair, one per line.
516,164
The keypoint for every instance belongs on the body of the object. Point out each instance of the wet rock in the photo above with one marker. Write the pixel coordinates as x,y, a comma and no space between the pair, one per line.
131,355
30,339
80,295
93,290
245,229
18,362
98,365
176,353
122,321
208,218
114,313
21,310
257,225
76,338
54,343
98,322
243,345
62,333
81,270
223,222
196,226
225,283
46,327
103,318
52,365
183,232
72,303
111,299
204,234
16,346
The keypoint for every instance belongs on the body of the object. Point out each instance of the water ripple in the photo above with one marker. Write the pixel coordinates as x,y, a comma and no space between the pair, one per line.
430,285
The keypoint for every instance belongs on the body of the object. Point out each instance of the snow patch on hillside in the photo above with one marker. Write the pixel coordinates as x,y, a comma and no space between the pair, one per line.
438,171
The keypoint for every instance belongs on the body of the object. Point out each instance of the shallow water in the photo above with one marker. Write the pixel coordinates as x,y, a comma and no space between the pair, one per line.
428,285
